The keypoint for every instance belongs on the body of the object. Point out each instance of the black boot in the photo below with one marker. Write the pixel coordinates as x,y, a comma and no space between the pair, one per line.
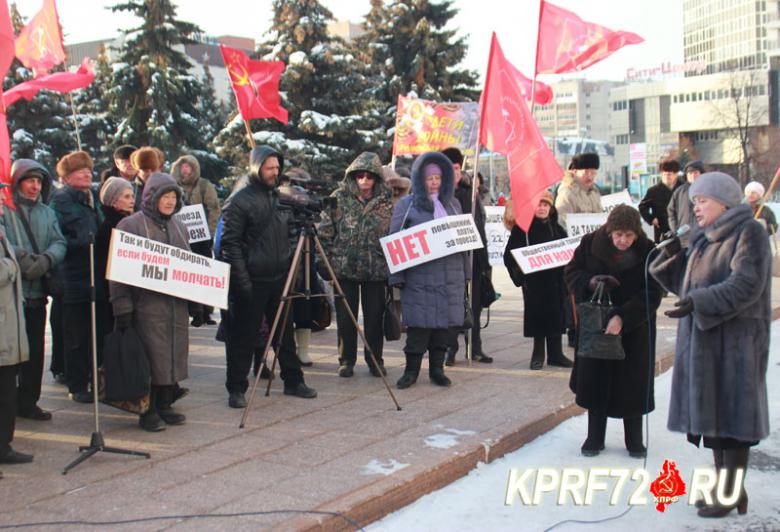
151,421
555,356
451,352
632,429
597,428
165,396
571,335
733,459
436,369
537,356
411,371
717,456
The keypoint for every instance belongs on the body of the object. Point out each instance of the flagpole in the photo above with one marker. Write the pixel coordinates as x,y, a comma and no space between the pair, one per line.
75,121
536,57
249,133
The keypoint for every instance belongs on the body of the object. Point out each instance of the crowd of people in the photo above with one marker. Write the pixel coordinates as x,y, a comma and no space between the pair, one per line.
719,269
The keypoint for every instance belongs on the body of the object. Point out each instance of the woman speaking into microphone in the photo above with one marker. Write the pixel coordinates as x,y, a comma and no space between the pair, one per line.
719,380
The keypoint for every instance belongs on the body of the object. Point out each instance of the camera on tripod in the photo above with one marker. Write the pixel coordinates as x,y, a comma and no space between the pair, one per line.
302,204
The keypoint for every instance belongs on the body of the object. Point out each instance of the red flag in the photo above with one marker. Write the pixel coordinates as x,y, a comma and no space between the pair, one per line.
543,94
507,126
566,43
255,84
6,58
59,82
39,44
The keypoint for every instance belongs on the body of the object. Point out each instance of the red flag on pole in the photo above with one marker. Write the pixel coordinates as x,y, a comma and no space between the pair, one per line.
59,82
6,58
506,126
39,44
255,84
566,43
544,93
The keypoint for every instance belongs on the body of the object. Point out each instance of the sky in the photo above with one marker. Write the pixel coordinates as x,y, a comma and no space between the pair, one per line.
515,22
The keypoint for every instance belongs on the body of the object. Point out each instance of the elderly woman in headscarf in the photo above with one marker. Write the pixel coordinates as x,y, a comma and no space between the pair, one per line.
432,293
160,320
723,281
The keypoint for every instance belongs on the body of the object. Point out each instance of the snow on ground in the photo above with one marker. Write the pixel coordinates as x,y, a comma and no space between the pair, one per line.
476,502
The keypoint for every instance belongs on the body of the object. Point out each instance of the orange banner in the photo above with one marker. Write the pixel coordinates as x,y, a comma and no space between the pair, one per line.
424,125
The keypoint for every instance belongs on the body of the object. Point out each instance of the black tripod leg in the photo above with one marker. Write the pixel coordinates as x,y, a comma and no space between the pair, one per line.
86,452
117,450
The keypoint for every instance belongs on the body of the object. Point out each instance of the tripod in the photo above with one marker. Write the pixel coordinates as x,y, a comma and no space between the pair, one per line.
306,235
96,442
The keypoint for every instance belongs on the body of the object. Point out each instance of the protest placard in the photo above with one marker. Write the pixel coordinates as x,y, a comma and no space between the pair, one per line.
578,224
194,219
430,241
547,255
496,234
158,267
425,125
610,201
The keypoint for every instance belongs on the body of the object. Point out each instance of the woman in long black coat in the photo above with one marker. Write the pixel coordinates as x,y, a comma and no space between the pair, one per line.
615,255
543,292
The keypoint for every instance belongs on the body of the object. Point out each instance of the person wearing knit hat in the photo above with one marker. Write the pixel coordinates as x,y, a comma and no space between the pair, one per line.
543,292
613,256
680,209
754,196
117,188
723,281
653,207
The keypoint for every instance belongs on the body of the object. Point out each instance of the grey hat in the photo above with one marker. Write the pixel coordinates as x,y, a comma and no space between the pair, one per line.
112,188
695,165
719,186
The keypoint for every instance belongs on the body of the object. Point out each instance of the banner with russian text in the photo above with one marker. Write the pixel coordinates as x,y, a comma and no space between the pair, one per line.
430,241
194,219
424,125
496,234
158,267
546,255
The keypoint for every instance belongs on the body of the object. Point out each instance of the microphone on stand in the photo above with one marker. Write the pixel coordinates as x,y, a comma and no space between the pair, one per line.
671,236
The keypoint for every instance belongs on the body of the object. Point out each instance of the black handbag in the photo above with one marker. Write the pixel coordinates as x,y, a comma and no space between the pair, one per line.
487,293
125,366
391,322
592,320
468,315
51,280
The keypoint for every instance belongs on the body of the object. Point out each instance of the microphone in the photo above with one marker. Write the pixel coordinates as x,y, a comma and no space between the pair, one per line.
670,236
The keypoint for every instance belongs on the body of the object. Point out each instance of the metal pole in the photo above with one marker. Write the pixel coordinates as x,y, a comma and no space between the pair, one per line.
75,121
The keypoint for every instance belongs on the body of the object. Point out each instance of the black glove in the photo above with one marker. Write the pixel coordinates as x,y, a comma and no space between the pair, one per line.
123,321
609,281
35,267
683,307
672,248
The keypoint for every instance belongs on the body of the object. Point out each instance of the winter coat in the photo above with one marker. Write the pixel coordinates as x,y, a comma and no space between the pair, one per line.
111,218
572,197
620,388
543,292
719,379
767,216
463,194
433,293
198,190
79,218
351,233
138,192
162,321
654,205
43,225
13,334
255,232
680,211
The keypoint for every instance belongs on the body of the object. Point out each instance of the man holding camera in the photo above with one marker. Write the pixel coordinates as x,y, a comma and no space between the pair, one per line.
255,242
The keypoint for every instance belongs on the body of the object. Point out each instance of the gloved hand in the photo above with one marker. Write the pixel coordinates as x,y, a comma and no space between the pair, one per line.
672,248
123,321
26,262
609,281
36,266
683,307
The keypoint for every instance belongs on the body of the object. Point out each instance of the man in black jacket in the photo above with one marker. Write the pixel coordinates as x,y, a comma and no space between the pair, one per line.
255,242
653,206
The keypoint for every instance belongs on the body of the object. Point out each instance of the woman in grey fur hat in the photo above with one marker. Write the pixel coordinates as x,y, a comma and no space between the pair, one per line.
719,381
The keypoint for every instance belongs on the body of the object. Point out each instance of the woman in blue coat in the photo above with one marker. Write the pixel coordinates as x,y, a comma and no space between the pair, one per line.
432,293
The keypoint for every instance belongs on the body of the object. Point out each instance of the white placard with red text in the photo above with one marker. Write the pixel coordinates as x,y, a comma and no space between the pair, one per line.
547,255
158,267
496,234
194,219
430,241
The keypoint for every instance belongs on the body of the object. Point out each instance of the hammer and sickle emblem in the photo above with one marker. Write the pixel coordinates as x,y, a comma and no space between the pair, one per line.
240,76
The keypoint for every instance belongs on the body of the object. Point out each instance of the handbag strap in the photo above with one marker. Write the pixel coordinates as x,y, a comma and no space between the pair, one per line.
26,225
599,295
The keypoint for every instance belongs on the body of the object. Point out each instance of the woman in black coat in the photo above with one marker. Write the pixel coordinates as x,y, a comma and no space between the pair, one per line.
615,255
543,292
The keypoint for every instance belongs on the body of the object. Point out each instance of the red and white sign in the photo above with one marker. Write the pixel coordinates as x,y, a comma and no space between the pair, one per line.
496,234
547,255
430,241
158,267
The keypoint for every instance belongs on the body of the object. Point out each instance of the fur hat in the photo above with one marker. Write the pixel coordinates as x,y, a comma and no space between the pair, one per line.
548,197
74,162
718,186
695,165
755,186
585,161
454,155
112,188
624,218
124,152
670,165
147,158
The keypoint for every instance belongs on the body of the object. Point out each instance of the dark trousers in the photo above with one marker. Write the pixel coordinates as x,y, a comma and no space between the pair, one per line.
371,295
244,319
7,405
77,330
57,364
31,372
420,340
476,312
